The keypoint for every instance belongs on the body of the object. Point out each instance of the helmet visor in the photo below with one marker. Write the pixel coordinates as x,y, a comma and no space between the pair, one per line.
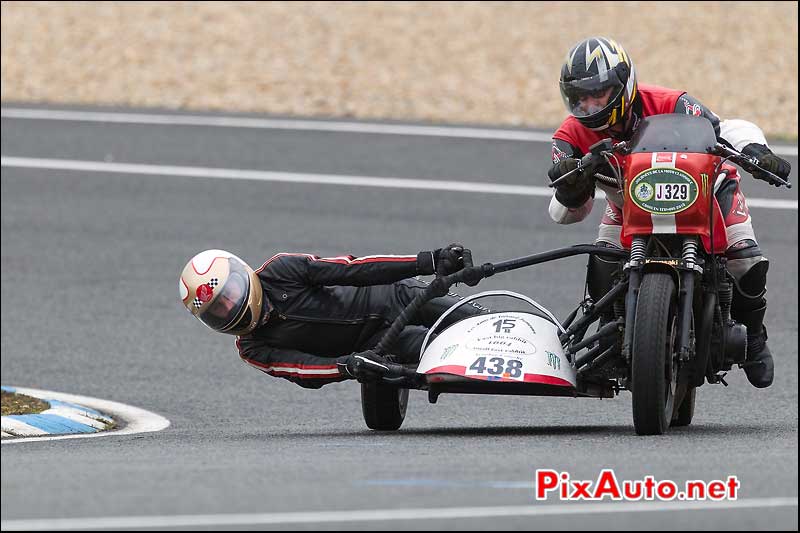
230,303
591,96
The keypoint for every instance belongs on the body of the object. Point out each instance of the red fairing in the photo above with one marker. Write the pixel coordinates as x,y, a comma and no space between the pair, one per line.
694,219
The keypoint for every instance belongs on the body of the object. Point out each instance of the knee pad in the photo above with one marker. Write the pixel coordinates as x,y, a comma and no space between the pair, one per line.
754,282
749,288
748,268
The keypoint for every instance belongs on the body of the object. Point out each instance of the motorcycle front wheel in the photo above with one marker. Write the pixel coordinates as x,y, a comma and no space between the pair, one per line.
654,364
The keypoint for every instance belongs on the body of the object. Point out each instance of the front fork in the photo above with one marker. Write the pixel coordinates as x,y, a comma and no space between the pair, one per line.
688,269
634,266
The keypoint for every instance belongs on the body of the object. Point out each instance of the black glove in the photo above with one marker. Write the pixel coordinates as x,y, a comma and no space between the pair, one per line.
769,161
364,366
448,260
576,189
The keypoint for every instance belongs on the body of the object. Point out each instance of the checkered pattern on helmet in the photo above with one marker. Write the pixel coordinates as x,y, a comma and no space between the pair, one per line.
197,303
213,283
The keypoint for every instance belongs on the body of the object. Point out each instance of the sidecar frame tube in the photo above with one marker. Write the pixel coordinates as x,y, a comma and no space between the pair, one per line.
595,311
559,253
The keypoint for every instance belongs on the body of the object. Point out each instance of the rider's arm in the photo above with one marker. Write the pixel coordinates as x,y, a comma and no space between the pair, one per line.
733,132
689,105
558,211
348,270
743,136
308,371
738,133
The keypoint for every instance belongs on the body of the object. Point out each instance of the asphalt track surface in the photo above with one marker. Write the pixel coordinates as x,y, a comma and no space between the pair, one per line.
90,262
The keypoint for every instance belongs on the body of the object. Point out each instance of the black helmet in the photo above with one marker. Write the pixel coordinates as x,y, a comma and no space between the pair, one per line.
593,69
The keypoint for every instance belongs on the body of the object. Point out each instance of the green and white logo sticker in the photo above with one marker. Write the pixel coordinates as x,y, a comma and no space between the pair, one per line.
663,191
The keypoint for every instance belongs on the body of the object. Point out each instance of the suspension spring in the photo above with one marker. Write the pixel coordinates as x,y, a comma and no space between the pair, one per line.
725,299
638,249
619,307
690,252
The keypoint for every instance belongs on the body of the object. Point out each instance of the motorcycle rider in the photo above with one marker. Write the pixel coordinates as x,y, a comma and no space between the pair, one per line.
313,320
604,99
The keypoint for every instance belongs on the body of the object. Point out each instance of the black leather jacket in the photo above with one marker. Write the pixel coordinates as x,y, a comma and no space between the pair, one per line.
322,308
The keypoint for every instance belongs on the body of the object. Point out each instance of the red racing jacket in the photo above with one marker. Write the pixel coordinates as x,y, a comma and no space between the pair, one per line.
572,139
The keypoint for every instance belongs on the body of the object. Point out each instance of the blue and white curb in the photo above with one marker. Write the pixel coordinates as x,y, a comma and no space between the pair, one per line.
71,417
61,418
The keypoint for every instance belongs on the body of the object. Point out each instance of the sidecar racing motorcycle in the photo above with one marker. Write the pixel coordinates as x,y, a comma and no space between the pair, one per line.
664,326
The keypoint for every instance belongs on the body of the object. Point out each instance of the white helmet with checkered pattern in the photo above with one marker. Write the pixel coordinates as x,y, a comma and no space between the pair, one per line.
222,291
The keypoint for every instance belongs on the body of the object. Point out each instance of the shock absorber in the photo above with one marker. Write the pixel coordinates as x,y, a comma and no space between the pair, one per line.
690,252
619,307
725,299
638,249
687,276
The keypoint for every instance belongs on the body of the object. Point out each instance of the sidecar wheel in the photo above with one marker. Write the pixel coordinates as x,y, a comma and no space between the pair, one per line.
683,415
384,406
654,365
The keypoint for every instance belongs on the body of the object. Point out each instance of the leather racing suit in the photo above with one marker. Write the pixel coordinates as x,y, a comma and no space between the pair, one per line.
317,309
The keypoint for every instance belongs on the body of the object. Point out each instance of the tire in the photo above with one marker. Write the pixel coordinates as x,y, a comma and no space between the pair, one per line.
384,406
654,371
683,415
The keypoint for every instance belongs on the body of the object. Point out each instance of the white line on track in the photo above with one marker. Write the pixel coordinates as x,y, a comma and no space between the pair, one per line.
299,125
326,179
276,124
136,420
375,515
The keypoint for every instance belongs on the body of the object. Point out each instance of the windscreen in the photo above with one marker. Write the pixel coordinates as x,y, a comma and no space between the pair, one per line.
674,133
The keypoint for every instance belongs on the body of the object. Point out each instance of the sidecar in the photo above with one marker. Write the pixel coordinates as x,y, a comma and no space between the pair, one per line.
503,352
507,352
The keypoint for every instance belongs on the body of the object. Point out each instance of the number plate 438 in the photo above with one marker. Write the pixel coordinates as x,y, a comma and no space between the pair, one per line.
497,367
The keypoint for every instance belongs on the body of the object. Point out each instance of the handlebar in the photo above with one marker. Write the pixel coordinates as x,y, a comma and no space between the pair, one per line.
748,163
599,150
471,275
597,154
402,376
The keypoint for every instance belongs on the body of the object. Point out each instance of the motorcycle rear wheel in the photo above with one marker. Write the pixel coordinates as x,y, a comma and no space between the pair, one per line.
654,366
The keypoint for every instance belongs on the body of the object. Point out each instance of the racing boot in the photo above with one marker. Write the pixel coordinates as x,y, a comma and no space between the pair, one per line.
759,365
749,307
600,275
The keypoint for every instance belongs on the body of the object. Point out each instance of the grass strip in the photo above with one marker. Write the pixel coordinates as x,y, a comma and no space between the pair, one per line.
19,404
